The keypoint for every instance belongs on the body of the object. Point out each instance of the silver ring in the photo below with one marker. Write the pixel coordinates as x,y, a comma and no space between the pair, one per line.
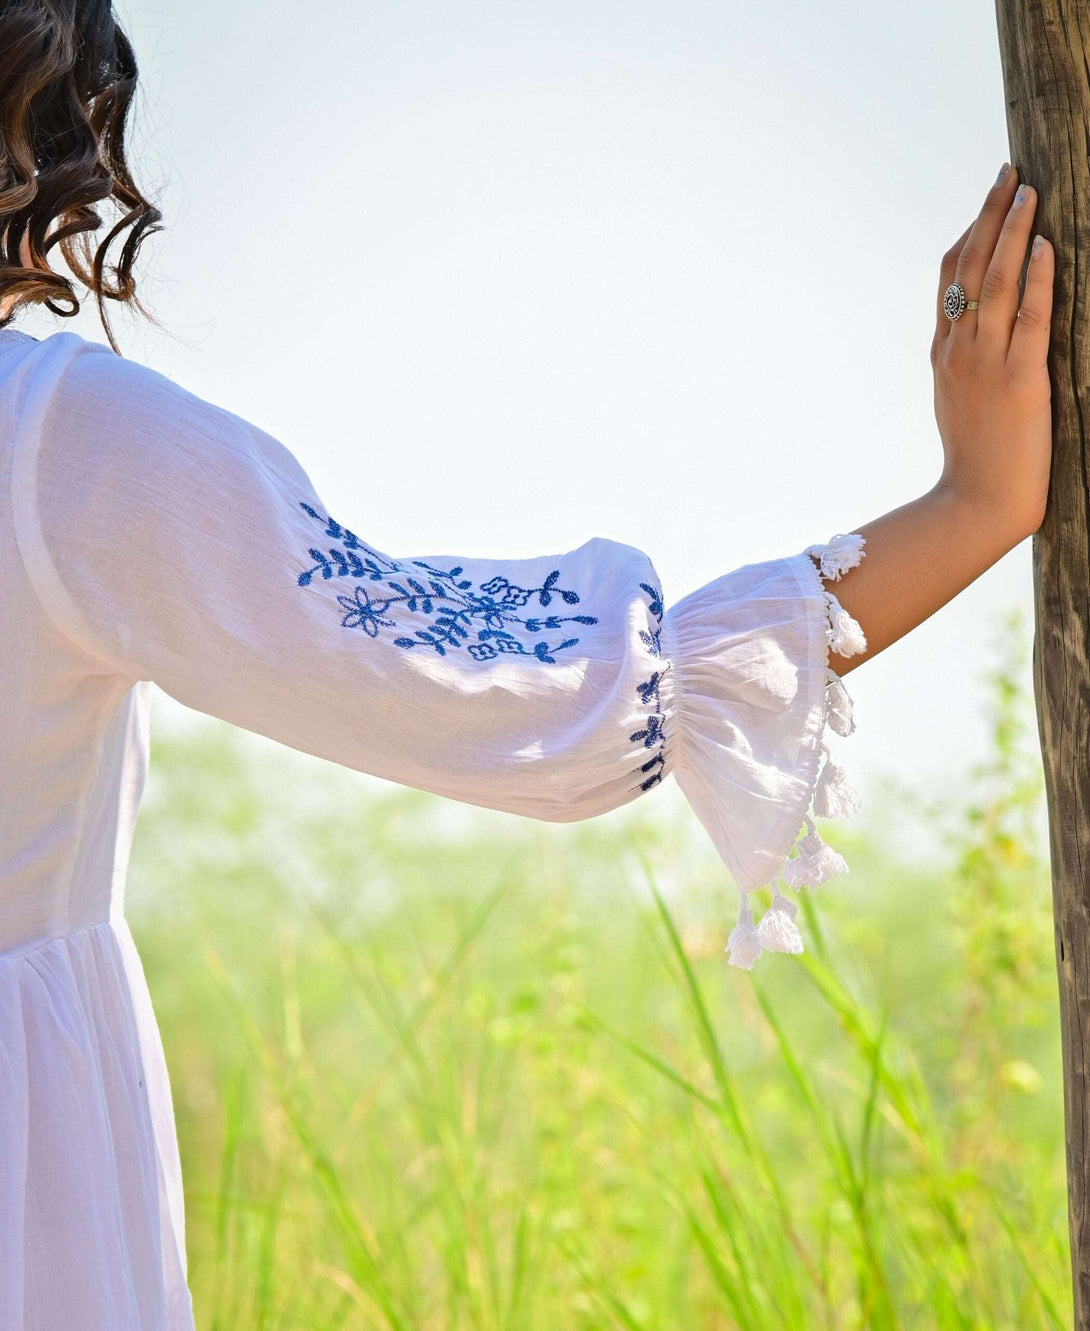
953,301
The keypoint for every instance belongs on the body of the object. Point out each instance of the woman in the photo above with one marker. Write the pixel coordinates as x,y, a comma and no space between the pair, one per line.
147,535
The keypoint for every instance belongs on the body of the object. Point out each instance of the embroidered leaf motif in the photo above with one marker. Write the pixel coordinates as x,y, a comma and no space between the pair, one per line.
649,689
323,565
655,764
655,607
653,733
456,610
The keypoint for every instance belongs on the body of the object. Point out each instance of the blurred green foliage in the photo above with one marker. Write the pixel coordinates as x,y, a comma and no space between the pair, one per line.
441,1071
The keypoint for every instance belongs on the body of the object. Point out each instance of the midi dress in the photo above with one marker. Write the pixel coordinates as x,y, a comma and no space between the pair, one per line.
148,536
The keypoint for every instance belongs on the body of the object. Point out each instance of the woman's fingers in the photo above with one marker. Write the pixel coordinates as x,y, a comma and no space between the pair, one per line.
999,287
947,269
1029,342
976,253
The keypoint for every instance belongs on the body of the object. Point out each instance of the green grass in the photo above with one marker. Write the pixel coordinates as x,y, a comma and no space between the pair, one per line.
439,1068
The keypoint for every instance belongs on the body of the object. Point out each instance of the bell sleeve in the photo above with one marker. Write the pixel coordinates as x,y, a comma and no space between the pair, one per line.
171,540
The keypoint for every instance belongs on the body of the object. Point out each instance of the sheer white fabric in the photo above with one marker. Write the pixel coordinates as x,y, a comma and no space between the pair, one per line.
152,536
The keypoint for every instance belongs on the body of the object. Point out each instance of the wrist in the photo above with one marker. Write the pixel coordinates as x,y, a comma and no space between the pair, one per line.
989,520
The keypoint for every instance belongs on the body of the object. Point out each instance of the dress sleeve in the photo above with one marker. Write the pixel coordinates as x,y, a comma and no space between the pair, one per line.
171,540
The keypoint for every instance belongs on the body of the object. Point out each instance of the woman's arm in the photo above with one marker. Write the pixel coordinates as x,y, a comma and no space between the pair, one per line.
171,540
993,407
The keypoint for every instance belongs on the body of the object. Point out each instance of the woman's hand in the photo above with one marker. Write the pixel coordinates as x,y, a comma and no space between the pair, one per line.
992,391
994,412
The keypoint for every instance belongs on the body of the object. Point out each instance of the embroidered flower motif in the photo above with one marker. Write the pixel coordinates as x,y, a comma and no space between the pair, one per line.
363,613
509,594
483,620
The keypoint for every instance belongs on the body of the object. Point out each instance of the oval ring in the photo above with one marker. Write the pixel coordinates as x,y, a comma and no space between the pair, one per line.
954,302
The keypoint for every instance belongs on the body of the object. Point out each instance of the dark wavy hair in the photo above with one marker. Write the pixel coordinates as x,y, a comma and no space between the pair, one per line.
67,80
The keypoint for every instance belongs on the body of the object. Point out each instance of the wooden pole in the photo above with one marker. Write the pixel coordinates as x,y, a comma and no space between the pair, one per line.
1045,51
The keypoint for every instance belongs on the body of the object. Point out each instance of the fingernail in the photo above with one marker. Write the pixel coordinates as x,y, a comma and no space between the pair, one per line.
1002,172
1038,242
1021,195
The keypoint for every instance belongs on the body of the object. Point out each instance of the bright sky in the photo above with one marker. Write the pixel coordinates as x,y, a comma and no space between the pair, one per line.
506,276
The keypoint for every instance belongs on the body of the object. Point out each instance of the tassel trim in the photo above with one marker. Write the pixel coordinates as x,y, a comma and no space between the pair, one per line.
838,555
842,633
778,931
839,714
744,944
835,796
813,861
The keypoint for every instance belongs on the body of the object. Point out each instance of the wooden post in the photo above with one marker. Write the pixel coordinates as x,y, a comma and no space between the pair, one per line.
1045,50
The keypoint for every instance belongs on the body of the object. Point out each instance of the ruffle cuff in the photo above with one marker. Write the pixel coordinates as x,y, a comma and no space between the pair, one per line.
754,695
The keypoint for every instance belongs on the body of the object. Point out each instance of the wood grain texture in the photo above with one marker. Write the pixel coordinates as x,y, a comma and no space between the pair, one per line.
1046,78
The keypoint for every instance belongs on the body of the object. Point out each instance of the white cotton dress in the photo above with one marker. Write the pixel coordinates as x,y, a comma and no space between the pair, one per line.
147,535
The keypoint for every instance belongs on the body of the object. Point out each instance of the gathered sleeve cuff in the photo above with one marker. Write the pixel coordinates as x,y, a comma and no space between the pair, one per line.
754,695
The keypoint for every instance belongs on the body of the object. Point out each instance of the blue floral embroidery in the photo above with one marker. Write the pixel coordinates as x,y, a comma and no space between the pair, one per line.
480,619
363,613
653,734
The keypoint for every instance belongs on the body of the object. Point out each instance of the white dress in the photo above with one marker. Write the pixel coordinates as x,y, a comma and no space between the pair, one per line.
148,535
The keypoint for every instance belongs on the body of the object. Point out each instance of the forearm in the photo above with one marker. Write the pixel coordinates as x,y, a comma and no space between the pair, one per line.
919,557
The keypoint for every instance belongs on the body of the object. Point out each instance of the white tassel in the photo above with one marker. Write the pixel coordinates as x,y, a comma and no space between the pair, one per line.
844,634
778,931
835,796
838,555
814,861
839,711
744,945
